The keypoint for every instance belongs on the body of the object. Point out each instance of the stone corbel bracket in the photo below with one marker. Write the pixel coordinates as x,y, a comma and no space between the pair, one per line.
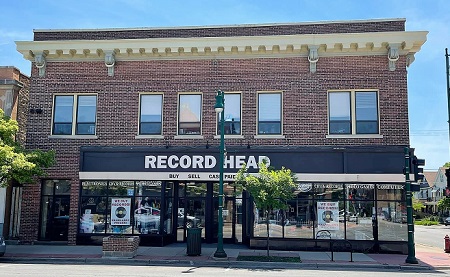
110,61
313,57
40,62
393,55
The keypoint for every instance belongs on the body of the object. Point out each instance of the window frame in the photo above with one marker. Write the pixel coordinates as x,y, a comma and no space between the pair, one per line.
141,95
75,119
200,113
257,113
240,115
353,115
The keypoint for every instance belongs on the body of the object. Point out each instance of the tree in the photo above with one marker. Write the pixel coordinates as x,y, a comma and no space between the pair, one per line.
417,205
270,189
447,164
444,204
16,162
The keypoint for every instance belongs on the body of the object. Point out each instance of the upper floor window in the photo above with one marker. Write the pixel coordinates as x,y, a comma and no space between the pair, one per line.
353,112
232,116
269,113
150,119
189,114
74,115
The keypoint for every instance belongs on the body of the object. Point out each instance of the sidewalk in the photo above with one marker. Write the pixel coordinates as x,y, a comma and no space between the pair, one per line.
429,258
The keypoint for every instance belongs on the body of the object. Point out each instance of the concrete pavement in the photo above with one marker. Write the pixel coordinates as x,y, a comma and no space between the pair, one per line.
430,258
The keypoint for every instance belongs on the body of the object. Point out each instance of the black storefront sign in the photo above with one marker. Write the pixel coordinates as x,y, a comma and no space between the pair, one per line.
338,160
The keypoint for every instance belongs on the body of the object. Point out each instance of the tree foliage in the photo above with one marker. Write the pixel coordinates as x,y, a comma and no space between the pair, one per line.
447,164
444,204
270,189
16,162
417,205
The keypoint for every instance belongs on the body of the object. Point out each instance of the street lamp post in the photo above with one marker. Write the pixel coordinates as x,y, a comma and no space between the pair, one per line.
411,258
220,109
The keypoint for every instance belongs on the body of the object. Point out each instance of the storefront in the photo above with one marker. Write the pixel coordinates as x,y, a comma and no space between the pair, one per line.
158,193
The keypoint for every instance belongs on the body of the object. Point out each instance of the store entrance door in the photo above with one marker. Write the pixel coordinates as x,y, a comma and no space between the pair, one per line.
198,206
55,206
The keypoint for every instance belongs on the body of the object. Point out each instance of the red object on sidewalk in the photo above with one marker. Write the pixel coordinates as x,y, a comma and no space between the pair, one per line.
447,244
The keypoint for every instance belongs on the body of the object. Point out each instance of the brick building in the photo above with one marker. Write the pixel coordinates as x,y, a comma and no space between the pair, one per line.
130,113
14,87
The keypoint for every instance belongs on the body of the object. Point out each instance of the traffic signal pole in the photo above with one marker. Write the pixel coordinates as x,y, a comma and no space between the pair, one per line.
411,259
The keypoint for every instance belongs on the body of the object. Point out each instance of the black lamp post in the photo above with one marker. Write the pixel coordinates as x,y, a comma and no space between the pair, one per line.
220,109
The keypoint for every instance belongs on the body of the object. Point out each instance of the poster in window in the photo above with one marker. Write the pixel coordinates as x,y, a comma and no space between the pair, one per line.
328,215
120,211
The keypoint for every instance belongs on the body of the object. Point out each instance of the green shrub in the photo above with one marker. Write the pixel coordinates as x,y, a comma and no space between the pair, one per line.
426,222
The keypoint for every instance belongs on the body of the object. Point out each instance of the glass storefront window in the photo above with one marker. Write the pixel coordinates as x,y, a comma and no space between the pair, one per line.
148,188
299,219
304,190
359,224
359,191
328,191
147,215
196,189
394,192
94,188
93,217
120,188
228,189
391,218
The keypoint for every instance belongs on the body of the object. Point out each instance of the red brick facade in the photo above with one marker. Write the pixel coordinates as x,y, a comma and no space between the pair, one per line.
305,119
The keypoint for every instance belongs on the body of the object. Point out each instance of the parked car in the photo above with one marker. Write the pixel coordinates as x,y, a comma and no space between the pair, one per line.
447,221
2,246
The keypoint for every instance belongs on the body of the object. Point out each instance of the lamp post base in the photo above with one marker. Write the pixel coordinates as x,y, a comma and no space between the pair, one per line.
220,254
411,260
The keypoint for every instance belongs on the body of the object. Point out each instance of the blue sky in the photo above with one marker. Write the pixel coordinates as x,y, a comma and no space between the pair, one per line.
428,112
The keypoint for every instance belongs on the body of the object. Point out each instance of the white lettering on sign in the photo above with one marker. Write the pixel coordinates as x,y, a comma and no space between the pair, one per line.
198,161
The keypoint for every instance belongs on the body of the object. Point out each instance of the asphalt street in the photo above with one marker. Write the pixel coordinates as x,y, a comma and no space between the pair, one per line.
68,270
431,235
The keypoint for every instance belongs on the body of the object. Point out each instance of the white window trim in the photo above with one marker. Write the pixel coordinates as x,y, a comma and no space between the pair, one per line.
149,137
269,136
74,116
188,137
353,114
73,136
281,115
355,136
178,114
139,116
217,136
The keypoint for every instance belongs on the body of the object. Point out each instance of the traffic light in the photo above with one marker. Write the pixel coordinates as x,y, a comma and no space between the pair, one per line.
447,174
418,171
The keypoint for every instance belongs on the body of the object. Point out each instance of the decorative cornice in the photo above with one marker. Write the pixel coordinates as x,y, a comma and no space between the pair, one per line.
310,46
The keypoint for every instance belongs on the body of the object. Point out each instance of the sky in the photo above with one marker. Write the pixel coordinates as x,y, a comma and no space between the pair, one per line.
427,87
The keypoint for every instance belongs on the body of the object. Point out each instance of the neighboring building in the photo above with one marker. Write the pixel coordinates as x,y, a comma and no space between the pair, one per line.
438,188
130,114
14,87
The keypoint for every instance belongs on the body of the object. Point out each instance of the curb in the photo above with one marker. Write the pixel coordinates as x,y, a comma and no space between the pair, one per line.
236,264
